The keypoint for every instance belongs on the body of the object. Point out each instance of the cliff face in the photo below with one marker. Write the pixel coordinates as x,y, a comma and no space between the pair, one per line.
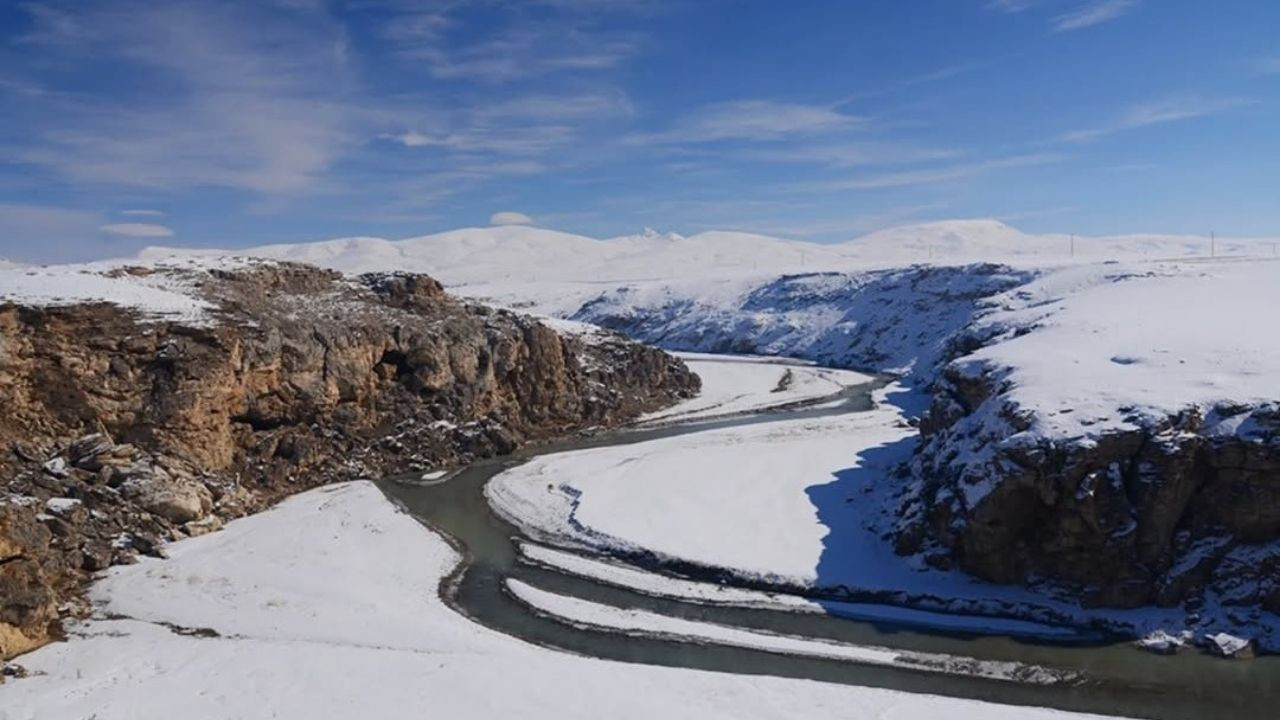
1157,512
121,431
1108,430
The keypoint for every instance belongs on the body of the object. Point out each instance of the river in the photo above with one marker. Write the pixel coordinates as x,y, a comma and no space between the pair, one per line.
1115,678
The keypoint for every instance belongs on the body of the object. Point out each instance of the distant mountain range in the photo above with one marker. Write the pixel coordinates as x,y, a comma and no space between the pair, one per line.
518,254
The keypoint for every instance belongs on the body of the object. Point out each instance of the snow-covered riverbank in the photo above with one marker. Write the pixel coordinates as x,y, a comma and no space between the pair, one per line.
733,385
327,606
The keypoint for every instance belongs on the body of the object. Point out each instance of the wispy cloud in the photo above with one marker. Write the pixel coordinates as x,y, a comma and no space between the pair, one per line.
250,101
142,212
1011,6
269,98
136,230
595,105
507,42
848,154
36,223
751,120
510,217
1094,13
1155,113
499,140
925,176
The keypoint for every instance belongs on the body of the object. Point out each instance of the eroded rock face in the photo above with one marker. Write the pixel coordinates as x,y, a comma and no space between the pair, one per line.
121,432
1152,514
27,570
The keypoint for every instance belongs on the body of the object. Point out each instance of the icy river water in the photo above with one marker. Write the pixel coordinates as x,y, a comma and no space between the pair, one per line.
1114,677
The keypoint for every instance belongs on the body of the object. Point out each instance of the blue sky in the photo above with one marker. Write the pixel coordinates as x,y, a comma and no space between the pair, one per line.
208,122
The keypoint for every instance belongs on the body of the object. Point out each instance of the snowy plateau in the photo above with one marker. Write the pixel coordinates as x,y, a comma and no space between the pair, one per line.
1068,440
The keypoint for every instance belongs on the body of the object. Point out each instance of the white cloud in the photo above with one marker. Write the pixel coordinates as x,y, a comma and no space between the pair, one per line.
752,120
142,213
510,42
547,107
42,222
508,217
934,175
501,140
1156,113
1094,13
1010,6
847,154
253,97
136,230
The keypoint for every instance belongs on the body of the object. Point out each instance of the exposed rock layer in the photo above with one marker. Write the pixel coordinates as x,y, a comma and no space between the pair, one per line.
1169,507
120,432
1152,514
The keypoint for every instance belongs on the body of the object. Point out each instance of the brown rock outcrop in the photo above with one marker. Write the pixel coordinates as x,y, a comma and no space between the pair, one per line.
1152,513
120,431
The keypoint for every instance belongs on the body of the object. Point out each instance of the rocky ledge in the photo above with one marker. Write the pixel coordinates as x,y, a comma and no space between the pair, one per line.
1180,510
122,430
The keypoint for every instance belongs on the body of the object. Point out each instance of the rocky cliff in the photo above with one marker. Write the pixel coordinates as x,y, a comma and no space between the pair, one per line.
1155,513
122,430
1103,431
1114,433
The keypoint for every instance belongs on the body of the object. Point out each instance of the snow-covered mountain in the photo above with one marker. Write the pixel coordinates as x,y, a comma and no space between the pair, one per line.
994,241
520,253
556,272
483,255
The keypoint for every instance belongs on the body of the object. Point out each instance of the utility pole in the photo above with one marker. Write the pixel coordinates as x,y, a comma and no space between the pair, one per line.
1073,244
1213,244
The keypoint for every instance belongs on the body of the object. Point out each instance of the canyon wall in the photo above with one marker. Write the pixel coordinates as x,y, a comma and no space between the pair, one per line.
121,431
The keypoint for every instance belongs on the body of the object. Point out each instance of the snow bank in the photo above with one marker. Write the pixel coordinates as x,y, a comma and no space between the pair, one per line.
620,575
159,290
326,607
642,622
734,498
732,385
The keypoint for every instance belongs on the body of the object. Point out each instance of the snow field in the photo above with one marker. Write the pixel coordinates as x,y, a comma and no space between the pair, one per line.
326,606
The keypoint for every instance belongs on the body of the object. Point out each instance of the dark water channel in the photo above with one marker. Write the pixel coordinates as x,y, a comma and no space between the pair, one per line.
1117,679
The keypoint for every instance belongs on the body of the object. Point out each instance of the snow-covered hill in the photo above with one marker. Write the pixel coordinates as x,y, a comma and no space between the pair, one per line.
993,241
895,320
555,272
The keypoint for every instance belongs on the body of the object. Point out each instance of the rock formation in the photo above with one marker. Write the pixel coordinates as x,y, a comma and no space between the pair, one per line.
122,431
1151,514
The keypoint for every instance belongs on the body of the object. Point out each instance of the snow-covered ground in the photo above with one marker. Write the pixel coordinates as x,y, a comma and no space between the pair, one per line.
633,621
612,572
156,293
1078,343
734,498
732,385
618,574
797,503
326,606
